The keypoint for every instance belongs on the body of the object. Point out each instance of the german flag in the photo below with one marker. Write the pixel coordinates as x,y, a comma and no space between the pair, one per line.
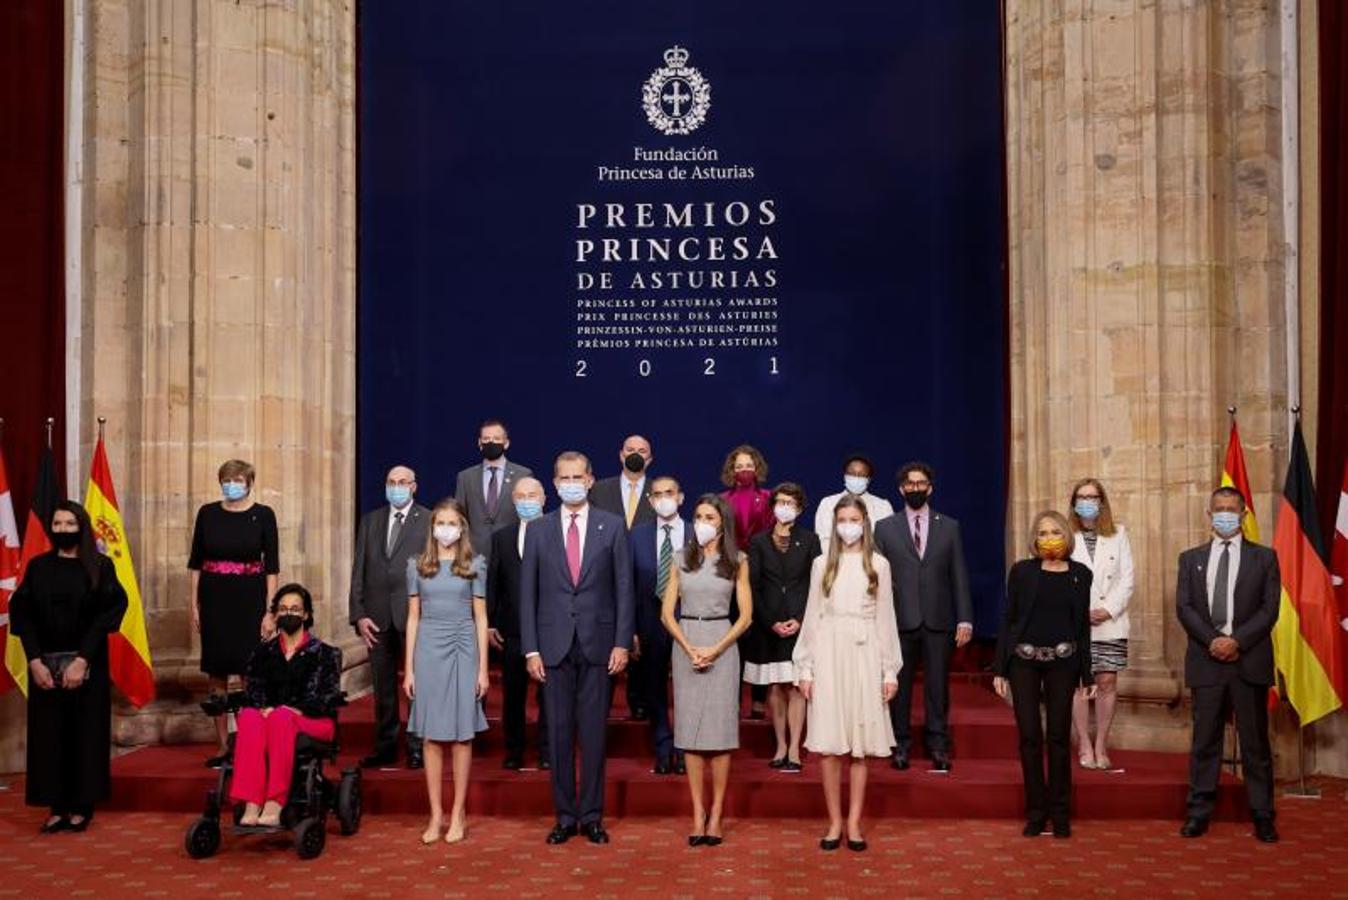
1307,640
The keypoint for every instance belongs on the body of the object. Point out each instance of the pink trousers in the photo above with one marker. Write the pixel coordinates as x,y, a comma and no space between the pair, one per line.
264,752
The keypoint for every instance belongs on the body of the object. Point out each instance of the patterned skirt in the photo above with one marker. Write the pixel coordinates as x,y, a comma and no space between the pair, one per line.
1109,656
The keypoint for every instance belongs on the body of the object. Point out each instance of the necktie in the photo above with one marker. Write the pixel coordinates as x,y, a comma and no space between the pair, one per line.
632,503
917,535
573,549
666,557
1220,613
393,533
493,489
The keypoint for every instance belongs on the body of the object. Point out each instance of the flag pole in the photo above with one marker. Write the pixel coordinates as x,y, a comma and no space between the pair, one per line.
102,421
1301,791
51,423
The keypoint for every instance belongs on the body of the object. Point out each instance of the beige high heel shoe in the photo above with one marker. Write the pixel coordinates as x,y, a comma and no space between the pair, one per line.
458,830
432,833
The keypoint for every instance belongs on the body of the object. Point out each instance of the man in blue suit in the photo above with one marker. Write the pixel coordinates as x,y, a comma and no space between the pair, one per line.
653,544
576,624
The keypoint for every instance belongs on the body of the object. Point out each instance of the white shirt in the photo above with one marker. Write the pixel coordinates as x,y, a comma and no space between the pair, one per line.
1214,560
519,542
676,536
876,507
582,519
393,512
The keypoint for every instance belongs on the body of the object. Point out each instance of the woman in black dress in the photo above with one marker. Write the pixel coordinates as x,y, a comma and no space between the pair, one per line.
66,606
1043,654
234,567
779,573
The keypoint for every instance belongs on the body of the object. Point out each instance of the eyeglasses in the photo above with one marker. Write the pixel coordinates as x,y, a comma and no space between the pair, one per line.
917,485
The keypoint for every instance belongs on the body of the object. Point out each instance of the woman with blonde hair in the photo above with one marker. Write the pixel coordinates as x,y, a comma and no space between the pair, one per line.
1043,656
1101,545
446,665
847,662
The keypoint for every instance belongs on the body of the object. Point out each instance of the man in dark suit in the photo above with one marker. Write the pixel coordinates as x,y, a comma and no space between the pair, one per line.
931,599
653,545
484,489
503,619
576,623
1227,600
377,603
628,495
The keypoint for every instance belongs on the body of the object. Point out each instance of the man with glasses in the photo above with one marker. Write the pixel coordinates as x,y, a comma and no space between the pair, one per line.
933,607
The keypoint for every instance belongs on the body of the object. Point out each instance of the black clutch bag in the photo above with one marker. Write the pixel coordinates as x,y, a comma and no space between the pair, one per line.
56,663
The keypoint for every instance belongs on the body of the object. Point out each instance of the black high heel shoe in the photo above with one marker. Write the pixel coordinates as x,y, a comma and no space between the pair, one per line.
697,840
856,846
60,823
830,844
82,824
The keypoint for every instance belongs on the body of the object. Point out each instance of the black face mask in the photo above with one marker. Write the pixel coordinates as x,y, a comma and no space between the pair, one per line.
65,540
634,462
915,499
290,623
492,451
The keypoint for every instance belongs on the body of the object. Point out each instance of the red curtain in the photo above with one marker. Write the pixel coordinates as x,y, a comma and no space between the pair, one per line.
1332,432
32,240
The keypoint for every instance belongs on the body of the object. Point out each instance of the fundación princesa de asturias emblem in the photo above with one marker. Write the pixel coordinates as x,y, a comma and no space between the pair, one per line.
676,97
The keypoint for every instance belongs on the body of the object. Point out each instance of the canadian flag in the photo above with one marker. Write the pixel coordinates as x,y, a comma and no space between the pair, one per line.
1338,557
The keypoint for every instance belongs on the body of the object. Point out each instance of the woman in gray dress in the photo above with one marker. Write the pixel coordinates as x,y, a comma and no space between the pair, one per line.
446,663
710,572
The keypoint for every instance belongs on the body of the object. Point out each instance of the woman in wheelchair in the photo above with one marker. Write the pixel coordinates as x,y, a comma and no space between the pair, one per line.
292,685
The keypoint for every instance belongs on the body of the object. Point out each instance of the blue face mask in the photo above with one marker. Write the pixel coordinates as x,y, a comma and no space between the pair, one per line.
528,510
1087,509
856,484
233,490
1226,523
398,494
572,492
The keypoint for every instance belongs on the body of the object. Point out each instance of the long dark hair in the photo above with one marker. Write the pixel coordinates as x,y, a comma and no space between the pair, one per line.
728,560
88,552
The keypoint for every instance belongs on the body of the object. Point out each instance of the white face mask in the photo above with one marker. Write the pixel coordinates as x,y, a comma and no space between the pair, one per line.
447,535
705,532
849,532
856,484
665,507
786,513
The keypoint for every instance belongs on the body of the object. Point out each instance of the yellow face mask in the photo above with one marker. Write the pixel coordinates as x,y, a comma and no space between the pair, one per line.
1052,548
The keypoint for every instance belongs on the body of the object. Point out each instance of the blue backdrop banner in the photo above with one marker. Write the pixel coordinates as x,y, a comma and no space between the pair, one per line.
708,223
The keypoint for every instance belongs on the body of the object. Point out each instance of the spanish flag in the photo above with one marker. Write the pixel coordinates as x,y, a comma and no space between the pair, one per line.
1233,475
128,649
1307,640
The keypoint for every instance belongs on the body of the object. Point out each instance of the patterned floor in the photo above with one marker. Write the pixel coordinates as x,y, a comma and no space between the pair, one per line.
140,855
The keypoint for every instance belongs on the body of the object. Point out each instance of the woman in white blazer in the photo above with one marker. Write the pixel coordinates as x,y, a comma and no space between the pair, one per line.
1102,545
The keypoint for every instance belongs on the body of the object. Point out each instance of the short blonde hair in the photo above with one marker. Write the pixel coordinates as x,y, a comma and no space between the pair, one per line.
1058,519
235,468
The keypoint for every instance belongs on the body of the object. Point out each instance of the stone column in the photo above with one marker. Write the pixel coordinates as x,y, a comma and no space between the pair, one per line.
218,306
1146,275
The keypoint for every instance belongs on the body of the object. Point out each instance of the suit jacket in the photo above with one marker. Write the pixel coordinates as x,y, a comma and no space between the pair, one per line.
1022,587
642,545
610,495
379,578
503,580
931,590
599,610
1113,584
469,494
1255,599
781,581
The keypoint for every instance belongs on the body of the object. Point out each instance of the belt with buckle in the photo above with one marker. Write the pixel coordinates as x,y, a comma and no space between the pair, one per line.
1046,654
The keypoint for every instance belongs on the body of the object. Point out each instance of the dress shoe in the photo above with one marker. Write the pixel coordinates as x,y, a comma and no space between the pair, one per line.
1062,829
560,834
1194,828
940,762
830,844
378,760
663,767
791,767
217,762
544,763
899,762
1264,831
680,767
757,711
777,763
595,833
414,760
856,846
713,840
639,714
1034,828
60,824
513,762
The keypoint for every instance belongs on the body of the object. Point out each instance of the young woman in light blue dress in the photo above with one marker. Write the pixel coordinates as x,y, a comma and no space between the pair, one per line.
446,664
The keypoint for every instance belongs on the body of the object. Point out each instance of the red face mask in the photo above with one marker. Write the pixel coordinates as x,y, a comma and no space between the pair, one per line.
746,478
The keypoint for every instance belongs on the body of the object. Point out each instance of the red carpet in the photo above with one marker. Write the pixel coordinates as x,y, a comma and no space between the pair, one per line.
985,782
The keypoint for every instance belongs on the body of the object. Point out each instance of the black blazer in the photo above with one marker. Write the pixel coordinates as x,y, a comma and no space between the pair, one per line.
781,581
1257,594
931,590
379,578
310,681
1022,586
503,581
607,494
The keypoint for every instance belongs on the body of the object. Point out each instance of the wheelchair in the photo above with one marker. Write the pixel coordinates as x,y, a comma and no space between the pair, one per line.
312,795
